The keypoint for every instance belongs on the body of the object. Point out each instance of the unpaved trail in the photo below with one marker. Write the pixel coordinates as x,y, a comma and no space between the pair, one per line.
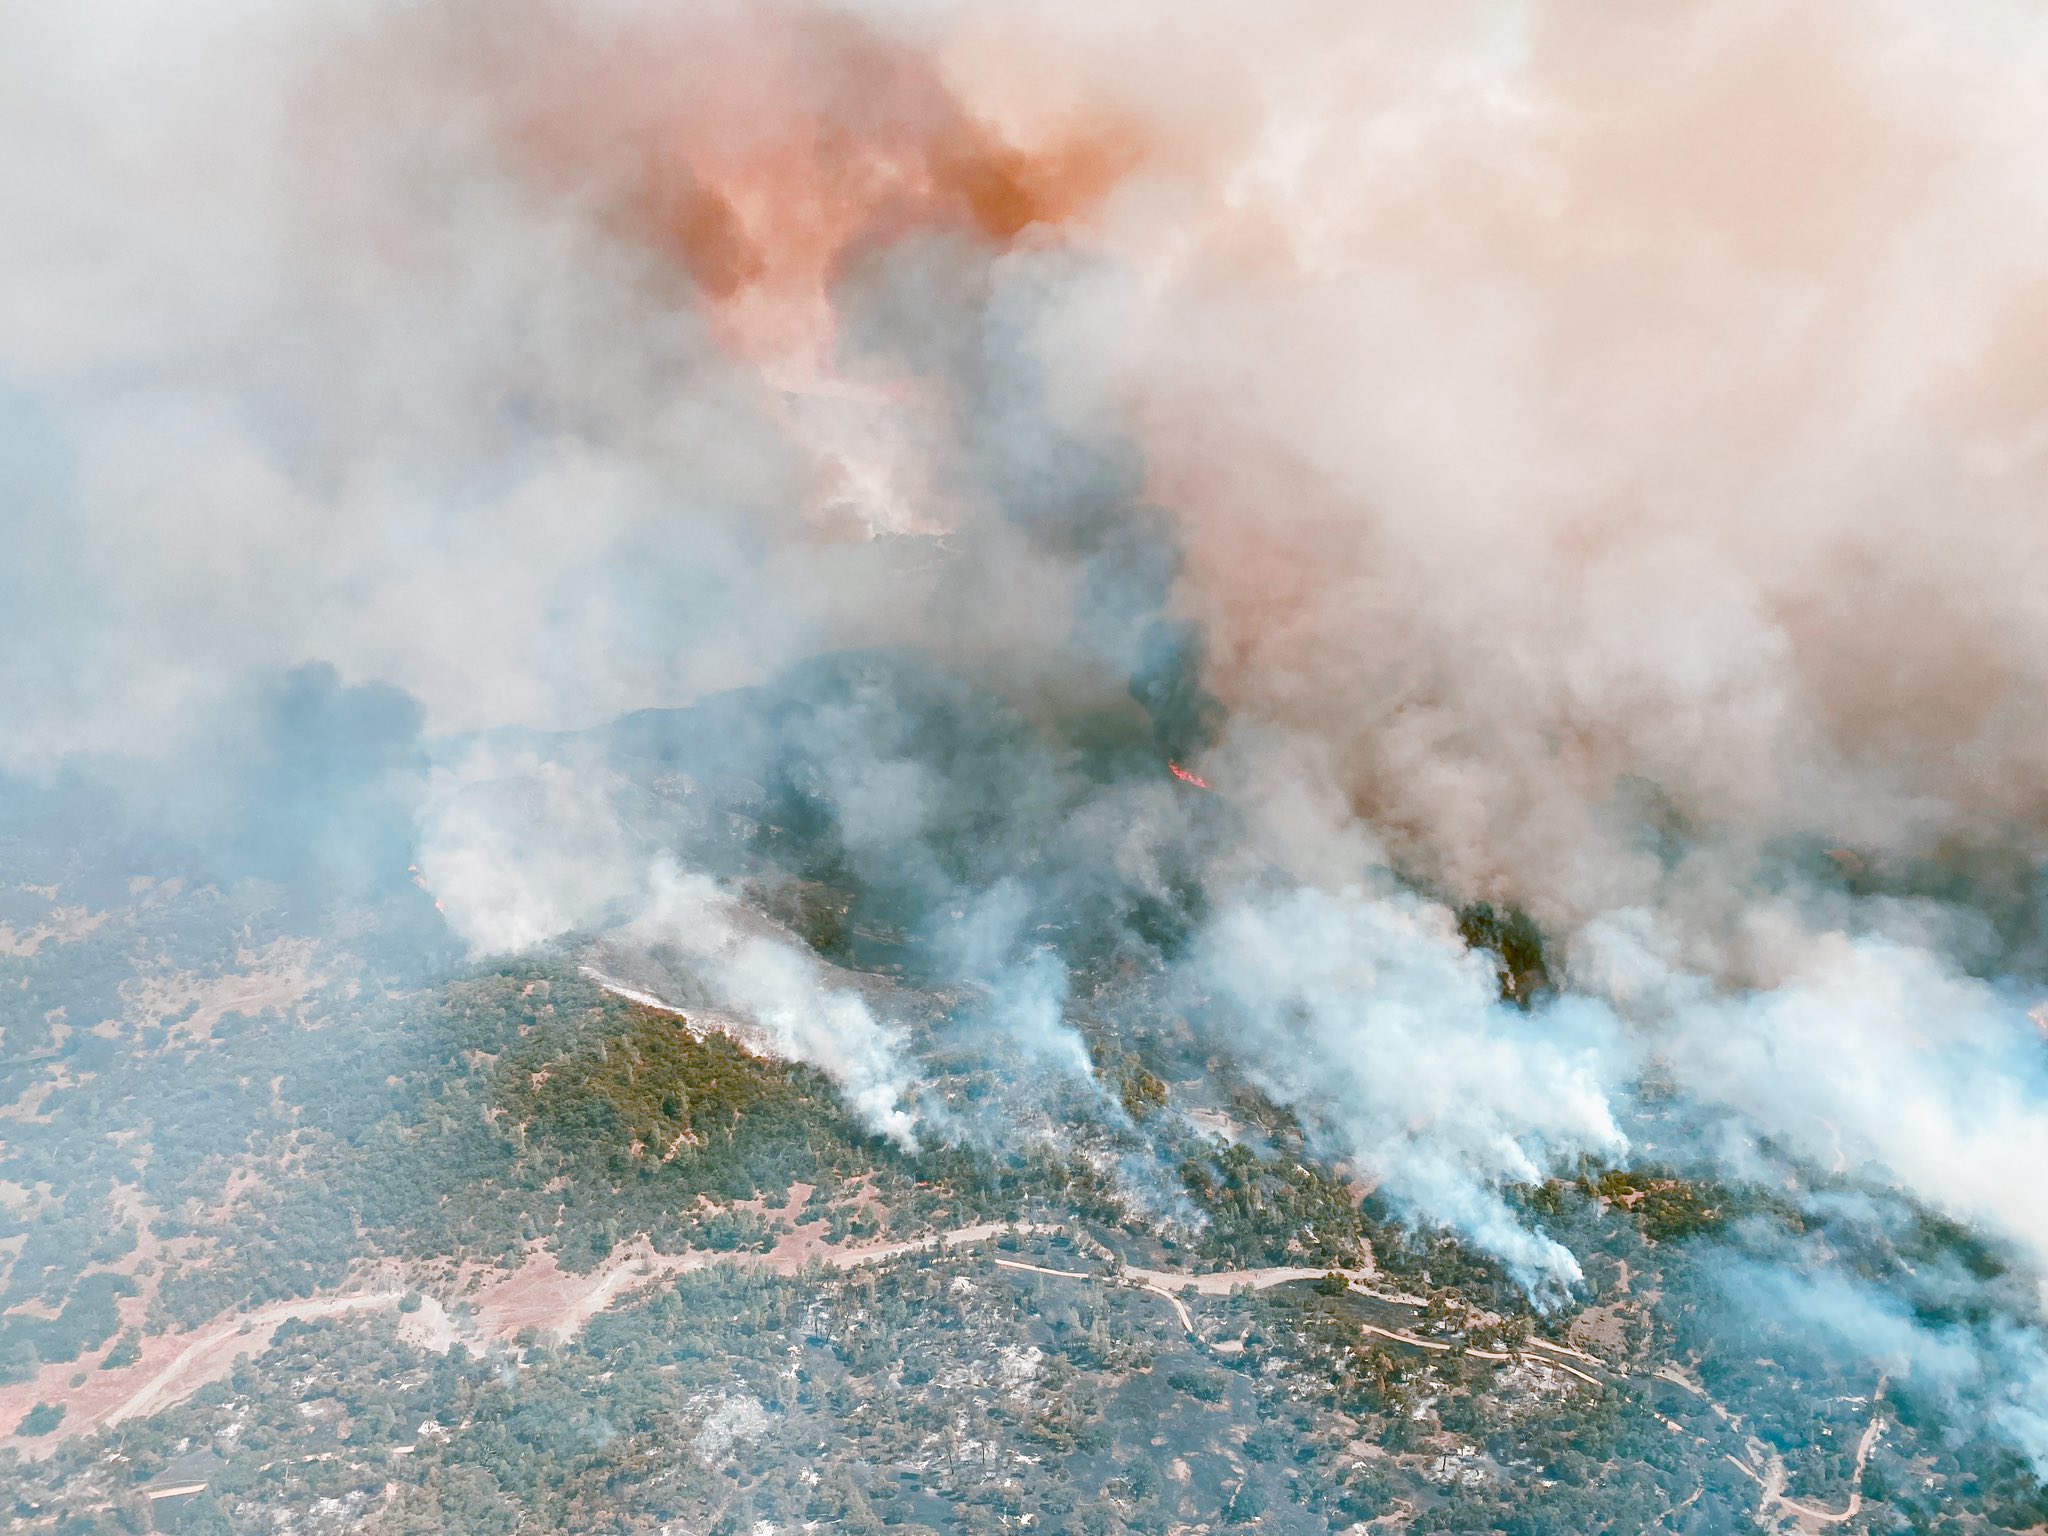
1187,1319
1221,1282
585,1296
854,1255
1806,1514
1169,1283
570,1300
1501,1356
1180,1307
207,1356
539,1294
1766,1468
1568,1352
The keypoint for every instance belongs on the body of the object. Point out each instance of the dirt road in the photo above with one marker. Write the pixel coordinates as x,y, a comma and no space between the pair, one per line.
540,1295
1772,1477
210,1355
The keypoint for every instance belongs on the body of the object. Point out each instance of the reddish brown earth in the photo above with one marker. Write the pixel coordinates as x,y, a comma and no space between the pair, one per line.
172,1367
499,1304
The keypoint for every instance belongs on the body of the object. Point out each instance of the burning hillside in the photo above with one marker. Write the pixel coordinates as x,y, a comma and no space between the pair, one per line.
761,489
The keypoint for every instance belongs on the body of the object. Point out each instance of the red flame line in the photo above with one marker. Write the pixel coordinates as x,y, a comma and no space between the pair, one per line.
1188,778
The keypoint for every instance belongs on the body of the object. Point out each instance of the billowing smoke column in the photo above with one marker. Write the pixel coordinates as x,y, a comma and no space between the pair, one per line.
1527,453
1373,1020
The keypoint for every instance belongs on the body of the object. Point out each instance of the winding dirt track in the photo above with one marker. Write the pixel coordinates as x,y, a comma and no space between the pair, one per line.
213,1352
541,1295
1187,1318
1772,1478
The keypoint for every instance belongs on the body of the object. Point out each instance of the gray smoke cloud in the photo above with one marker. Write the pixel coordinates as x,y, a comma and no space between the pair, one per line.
1516,453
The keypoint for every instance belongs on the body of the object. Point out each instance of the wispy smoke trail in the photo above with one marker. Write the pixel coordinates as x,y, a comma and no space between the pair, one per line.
782,989
523,852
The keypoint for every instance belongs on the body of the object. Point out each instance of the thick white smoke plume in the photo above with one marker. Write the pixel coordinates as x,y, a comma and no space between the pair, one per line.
520,852
781,989
1372,1018
1874,1057
1608,443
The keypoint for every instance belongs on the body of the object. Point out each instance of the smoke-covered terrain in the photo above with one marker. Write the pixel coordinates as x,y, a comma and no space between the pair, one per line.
959,766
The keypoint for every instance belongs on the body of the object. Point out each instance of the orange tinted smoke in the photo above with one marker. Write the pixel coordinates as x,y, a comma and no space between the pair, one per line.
763,151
